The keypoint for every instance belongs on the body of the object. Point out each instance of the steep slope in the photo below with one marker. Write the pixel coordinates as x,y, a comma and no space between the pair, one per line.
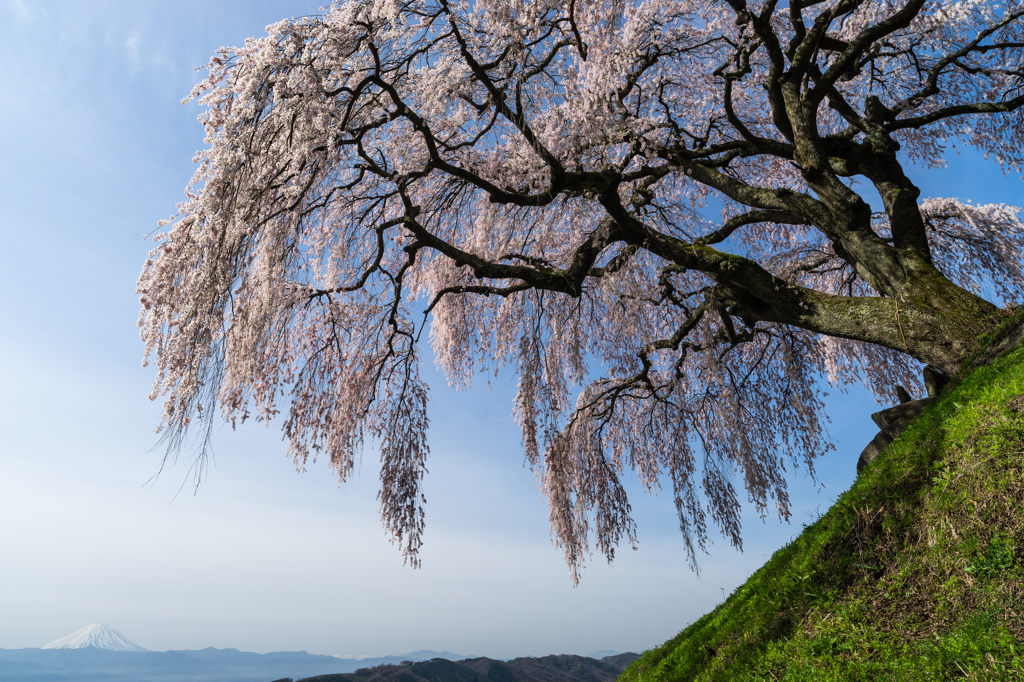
100,635
915,573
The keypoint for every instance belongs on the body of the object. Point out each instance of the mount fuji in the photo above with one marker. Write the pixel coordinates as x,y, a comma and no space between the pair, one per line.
100,636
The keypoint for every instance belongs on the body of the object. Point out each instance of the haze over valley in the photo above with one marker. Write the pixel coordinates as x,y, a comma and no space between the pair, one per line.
100,653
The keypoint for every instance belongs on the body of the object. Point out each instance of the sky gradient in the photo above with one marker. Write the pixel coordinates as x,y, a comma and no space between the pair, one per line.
96,150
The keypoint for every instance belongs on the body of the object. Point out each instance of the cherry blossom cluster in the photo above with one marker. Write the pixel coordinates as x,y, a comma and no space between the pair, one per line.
626,203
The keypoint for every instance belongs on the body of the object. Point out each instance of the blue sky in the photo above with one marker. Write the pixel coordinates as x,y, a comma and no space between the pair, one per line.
96,149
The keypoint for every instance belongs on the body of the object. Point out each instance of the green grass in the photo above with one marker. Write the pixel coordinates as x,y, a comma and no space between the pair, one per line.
916,572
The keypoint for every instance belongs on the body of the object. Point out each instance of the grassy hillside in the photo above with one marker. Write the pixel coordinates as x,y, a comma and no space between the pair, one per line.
916,573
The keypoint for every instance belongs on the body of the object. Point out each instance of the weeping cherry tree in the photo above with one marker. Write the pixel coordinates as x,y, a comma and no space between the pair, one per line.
657,212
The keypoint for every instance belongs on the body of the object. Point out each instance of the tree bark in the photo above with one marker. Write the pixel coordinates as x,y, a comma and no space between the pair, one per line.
930,318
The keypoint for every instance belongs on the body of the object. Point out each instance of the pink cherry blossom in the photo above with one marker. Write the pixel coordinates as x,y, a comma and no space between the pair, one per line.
531,182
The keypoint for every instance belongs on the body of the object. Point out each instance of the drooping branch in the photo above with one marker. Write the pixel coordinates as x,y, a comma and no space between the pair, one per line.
538,179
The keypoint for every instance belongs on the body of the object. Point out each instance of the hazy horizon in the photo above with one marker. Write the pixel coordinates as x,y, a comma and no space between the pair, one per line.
86,636
416,654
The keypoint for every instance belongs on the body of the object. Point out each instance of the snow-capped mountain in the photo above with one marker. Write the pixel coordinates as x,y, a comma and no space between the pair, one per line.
100,635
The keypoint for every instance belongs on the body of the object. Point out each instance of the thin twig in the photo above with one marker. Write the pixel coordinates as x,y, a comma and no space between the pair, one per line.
898,322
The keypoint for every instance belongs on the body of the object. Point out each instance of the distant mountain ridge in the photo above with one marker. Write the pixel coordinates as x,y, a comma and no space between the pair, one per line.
556,668
99,653
92,664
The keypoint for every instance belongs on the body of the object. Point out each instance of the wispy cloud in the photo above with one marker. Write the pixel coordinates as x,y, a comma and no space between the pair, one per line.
132,44
20,9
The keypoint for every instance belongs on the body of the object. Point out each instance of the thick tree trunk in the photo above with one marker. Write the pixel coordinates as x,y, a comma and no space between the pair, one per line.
935,322
927,316
922,313
940,323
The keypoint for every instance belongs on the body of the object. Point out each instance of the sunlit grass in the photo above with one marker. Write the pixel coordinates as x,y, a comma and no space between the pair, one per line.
916,572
